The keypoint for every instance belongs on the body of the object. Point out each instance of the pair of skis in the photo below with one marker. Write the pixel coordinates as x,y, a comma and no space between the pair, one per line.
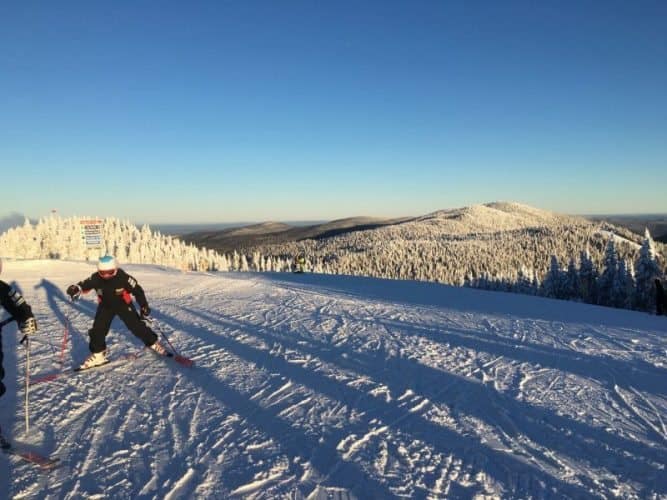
173,354
182,360
110,364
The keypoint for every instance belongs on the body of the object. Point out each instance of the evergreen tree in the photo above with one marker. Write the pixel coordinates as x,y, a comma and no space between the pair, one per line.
524,282
608,276
629,285
619,292
57,238
572,285
588,277
647,270
554,284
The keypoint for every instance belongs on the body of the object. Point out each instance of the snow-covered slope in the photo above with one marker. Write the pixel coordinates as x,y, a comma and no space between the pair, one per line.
309,386
496,216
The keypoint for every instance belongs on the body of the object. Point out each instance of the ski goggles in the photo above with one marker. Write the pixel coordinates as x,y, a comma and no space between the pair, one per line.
107,274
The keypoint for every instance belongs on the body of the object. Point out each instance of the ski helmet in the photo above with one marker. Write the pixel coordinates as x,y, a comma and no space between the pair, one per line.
106,267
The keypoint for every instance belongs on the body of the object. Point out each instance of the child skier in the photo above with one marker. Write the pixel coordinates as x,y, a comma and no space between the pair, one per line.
114,289
15,304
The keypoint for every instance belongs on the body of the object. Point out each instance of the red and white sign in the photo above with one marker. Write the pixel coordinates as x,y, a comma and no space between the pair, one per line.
91,232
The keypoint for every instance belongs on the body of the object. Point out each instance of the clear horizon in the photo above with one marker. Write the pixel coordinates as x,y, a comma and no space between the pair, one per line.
171,113
239,223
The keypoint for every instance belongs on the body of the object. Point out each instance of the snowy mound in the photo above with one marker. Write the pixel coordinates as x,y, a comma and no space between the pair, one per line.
312,386
497,216
528,212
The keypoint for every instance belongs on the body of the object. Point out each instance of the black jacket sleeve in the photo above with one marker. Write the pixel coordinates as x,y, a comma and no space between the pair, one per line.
132,286
14,303
88,284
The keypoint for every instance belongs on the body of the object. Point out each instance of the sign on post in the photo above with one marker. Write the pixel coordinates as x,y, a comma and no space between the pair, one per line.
91,232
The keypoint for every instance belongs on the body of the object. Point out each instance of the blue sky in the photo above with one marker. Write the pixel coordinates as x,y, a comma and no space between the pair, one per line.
261,110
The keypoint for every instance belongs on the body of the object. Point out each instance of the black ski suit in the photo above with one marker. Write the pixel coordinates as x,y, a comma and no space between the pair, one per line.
114,297
15,305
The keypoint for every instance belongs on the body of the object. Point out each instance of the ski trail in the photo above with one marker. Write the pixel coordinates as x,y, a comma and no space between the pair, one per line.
655,411
300,390
245,337
350,445
178,490
633,408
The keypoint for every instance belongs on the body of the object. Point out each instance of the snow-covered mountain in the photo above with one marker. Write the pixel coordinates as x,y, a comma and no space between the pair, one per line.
248,238
496,216
315,386
500,240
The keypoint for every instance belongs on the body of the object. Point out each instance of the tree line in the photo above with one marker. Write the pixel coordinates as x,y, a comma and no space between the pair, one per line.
570,260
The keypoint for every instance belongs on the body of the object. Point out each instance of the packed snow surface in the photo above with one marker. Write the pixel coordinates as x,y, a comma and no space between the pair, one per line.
312,386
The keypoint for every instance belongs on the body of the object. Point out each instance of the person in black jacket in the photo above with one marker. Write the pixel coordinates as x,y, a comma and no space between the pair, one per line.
114,288
660,299
15,304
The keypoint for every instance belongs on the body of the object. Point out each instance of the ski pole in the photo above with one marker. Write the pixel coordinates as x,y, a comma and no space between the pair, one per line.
27,385
26,340
177,357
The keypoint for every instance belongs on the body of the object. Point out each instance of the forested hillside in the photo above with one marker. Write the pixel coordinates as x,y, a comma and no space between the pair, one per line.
56,237
499,246
498,239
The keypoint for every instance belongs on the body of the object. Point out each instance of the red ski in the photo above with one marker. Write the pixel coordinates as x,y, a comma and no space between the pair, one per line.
41,461
127,358
35,458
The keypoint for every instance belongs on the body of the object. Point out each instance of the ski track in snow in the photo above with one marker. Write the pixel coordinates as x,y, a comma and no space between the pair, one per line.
307,388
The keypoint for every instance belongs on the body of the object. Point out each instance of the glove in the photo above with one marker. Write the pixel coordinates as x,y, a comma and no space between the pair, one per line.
74,291
28,327
145,311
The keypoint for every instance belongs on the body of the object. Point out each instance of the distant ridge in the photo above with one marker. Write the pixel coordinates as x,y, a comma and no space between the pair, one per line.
255,229
488,217
496,216
273,233
655,223
501,239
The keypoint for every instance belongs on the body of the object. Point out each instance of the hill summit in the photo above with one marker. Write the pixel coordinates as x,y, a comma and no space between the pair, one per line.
496,216
502,240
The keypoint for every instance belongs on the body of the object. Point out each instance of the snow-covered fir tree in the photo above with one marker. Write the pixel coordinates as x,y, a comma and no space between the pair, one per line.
622,292
609,275
588,277
647,270
503,247
525,283
572,281
554,282
54,237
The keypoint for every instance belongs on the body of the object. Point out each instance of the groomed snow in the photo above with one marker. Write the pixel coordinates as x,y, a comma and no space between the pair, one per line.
313,386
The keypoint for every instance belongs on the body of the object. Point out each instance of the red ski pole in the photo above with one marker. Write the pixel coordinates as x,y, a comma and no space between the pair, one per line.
177,357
